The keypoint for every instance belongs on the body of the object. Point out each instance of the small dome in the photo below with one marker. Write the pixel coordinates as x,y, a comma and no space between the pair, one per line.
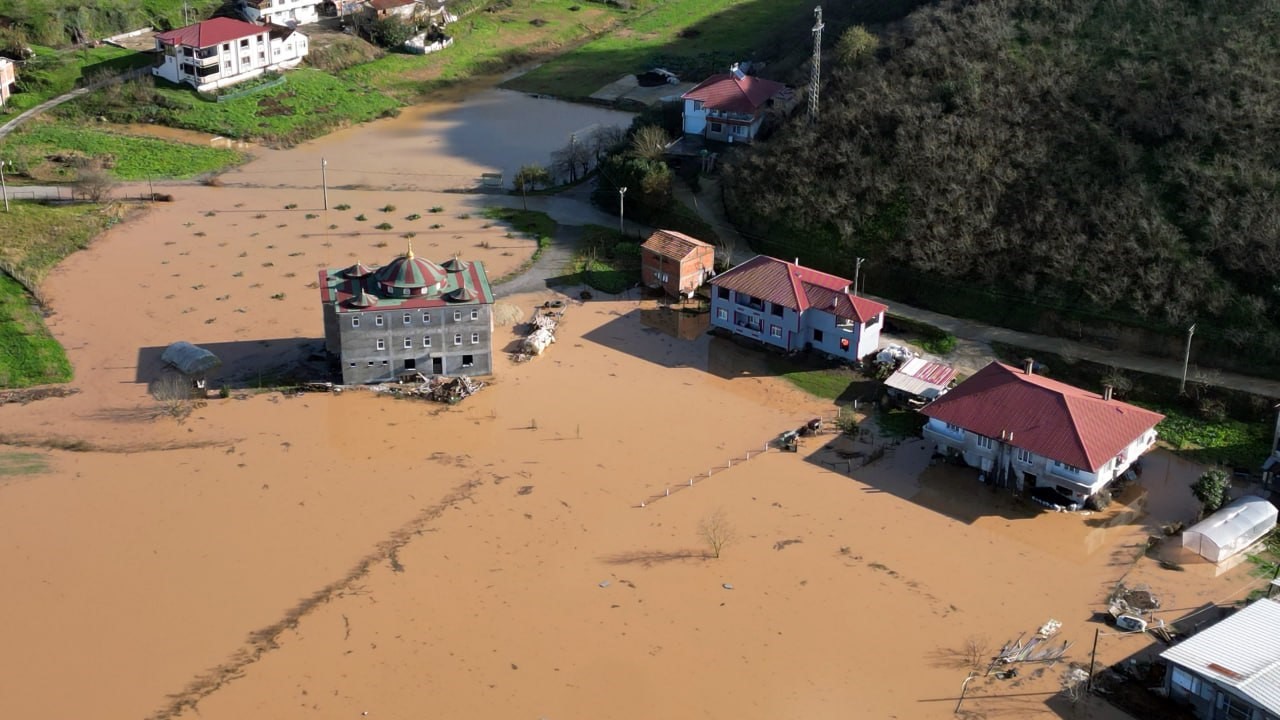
462,294
410,274
362,299
358,270
456,265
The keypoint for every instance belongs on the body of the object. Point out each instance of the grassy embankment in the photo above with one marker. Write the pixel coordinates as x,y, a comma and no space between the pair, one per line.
608,260
128,157
684,36
54,72
36,237
532,224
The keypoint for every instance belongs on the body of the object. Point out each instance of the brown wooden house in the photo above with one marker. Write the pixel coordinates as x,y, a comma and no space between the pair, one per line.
676,262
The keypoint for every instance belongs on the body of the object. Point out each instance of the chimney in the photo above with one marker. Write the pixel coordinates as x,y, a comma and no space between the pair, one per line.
797,262
1029,366
1106,392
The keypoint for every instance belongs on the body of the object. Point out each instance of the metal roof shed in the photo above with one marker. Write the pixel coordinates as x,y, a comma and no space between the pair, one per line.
1239,524
190,360
922,378
1241,653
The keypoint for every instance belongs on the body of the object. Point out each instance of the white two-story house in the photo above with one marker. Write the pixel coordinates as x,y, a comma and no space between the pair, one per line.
283,12
1026,431
224,51
730,107
793,307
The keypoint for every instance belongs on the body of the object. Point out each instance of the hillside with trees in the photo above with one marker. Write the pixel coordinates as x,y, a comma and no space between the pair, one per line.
1100,170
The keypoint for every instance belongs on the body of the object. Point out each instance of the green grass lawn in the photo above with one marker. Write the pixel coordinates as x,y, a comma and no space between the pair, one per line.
23,463
693,38
531,222
828,382
54,72
608,261
35,237
129,157
485,43
310,103
28,353
1231,443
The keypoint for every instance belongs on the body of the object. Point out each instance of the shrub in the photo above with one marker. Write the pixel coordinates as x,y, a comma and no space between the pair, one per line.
388,208
291,206
1211,490
361,217
342,206
383,226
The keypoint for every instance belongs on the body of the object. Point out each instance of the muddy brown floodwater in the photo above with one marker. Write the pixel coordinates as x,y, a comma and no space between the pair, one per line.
533,552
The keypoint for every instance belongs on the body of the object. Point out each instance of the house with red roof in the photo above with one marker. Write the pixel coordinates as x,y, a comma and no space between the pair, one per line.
676,262
409,316
792,307
1026,431
215,53
730,107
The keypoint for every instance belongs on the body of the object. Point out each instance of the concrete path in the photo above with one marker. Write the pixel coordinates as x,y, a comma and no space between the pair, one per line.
555,261
15,123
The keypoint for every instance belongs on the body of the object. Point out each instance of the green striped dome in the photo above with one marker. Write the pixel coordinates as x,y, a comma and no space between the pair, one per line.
411,273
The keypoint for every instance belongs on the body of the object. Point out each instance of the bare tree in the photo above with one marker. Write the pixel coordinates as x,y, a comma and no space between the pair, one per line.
607,139
977,651
95,183
716,531
573,160
173,391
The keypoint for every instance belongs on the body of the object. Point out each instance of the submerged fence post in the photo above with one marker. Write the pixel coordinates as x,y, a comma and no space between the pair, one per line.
668,492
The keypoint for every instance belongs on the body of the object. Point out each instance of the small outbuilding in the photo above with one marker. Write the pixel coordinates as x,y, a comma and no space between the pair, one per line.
1235,527
191,361
676,262
919,381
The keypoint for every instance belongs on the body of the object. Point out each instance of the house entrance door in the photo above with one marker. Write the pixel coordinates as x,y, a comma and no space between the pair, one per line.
437,366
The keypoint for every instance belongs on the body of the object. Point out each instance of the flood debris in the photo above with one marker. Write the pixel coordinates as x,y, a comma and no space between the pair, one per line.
440,388
1038,648
542,331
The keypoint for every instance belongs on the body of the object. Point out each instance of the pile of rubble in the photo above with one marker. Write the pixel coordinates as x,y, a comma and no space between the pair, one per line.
439,388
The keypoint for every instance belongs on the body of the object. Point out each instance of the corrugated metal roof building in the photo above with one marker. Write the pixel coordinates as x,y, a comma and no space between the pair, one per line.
1231,670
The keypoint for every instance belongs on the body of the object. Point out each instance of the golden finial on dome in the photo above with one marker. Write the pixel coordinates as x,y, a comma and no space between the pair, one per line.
409,253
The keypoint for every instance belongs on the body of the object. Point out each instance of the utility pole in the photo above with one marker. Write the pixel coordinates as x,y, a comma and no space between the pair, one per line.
151,189
324,181
622,228
1093,656
1186,360
3,189
857,268
815,75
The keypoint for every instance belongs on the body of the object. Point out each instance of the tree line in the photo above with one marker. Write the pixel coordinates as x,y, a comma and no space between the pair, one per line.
1116,159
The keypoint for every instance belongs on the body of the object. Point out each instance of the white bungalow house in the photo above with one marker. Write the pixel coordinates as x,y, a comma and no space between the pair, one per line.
793,307
8,79
1027,431
224,51
730,107
283,12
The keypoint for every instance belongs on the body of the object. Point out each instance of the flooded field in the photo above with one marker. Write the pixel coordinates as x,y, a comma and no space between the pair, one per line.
537,551
437,146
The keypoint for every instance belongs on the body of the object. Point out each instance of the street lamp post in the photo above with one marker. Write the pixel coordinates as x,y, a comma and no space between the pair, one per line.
3,189
622,228
856,269
324,182
1186,359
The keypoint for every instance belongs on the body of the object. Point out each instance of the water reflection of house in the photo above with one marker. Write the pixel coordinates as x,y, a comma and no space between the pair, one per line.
8,79
1230,670
682,324
411,316
676,262
1027,431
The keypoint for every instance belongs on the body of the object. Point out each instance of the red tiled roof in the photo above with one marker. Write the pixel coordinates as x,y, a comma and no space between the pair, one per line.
798,287
672,244
728,92
1049,418
210,32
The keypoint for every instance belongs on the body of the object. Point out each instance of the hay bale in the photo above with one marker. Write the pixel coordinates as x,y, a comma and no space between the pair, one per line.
505,314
